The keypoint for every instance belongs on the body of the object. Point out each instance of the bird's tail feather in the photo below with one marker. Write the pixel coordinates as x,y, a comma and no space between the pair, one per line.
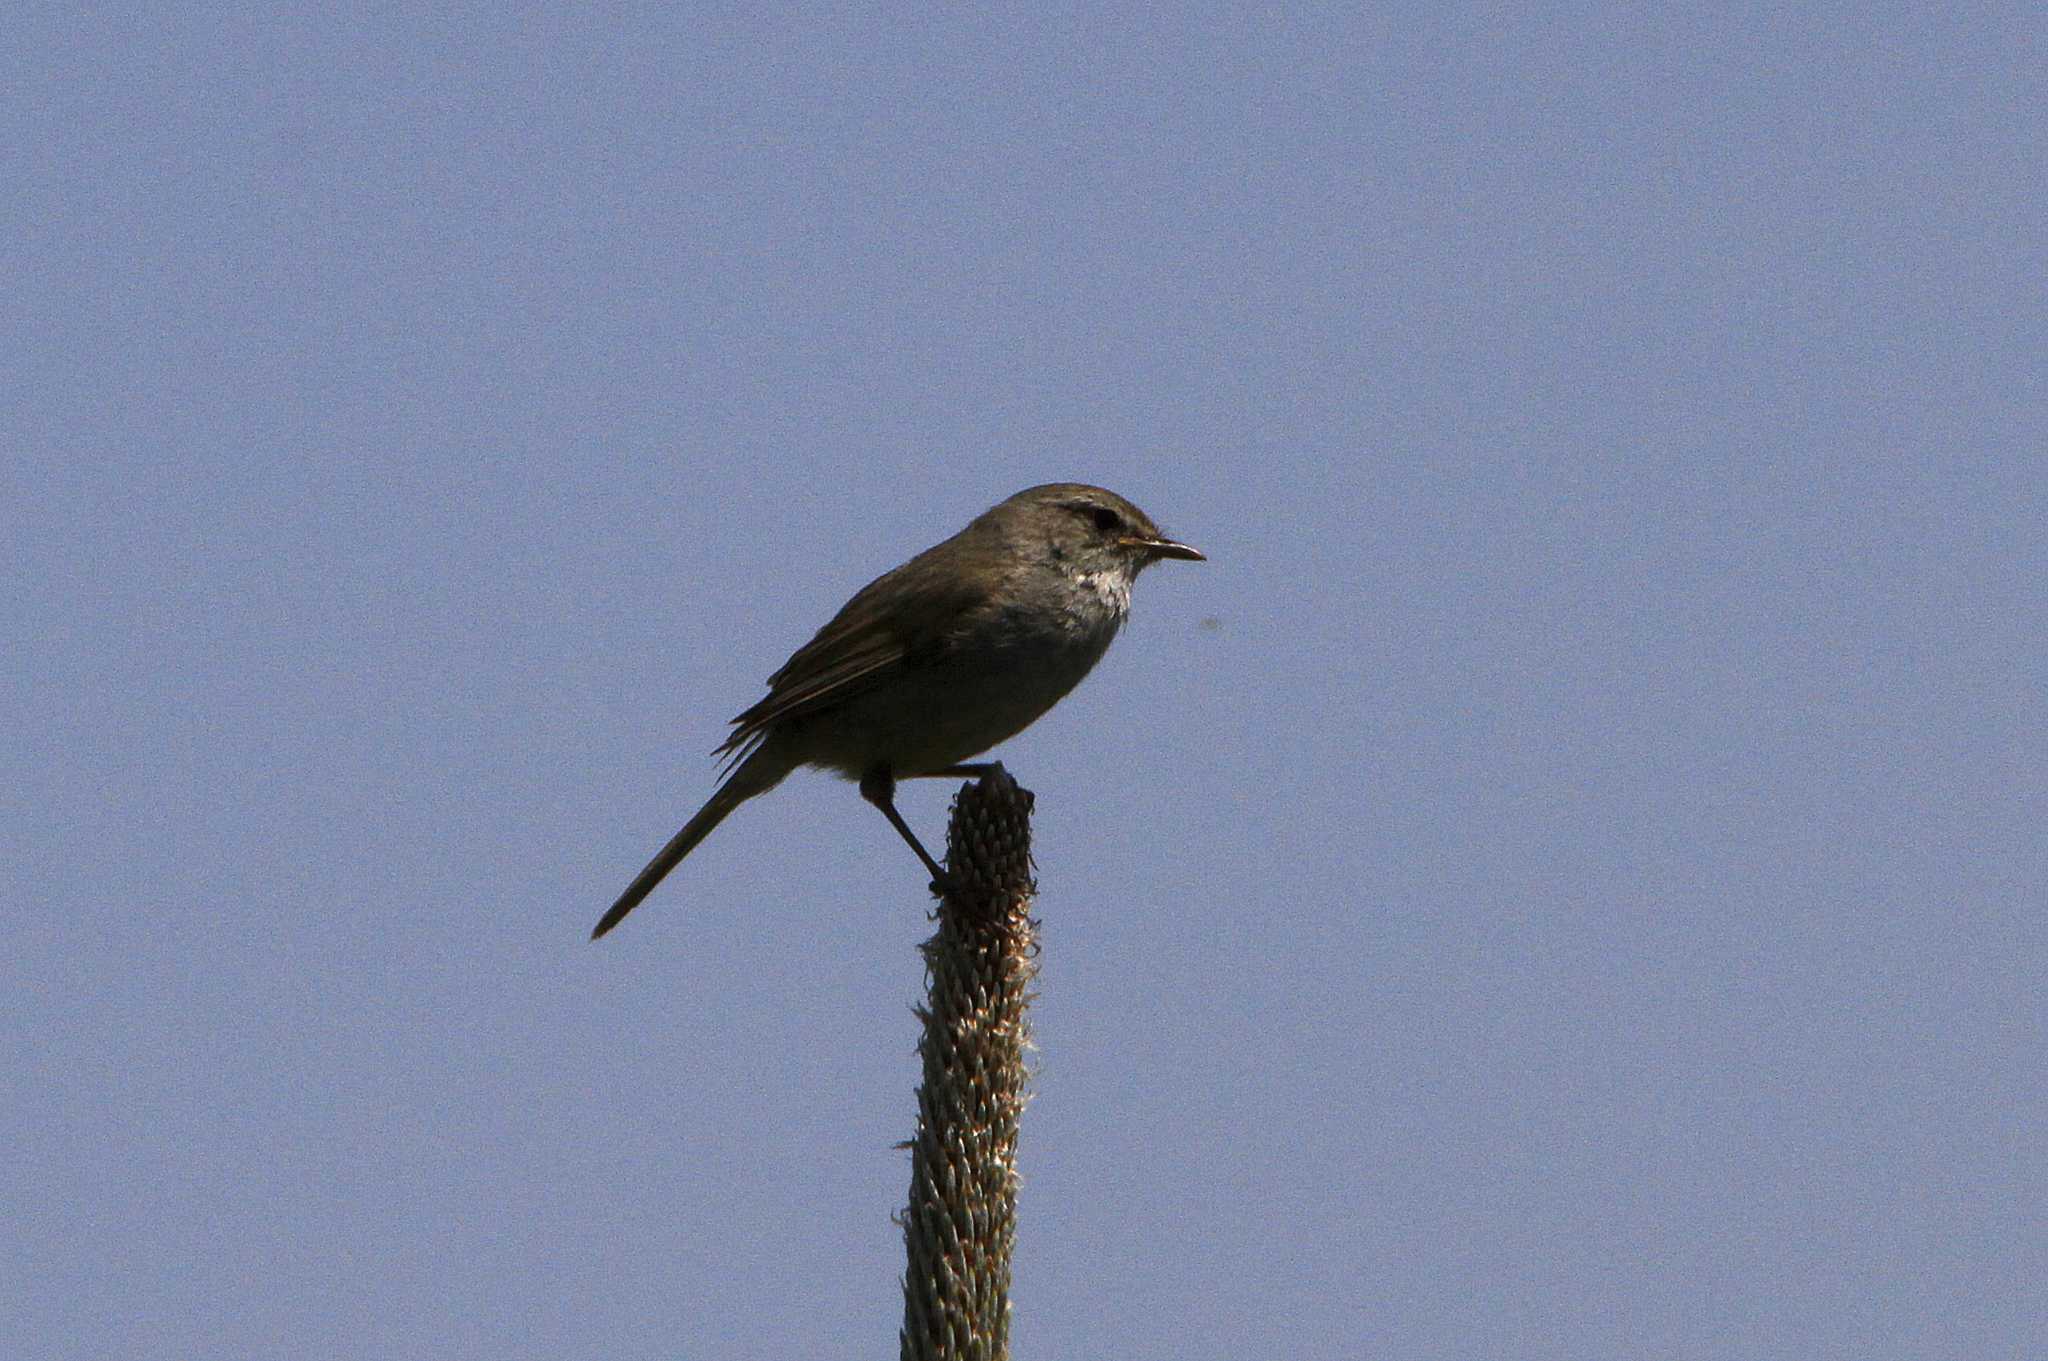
756,776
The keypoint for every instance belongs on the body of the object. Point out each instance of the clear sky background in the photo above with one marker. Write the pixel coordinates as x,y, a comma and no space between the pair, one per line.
1565,879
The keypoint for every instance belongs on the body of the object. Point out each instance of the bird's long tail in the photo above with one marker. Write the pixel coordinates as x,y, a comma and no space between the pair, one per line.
756,776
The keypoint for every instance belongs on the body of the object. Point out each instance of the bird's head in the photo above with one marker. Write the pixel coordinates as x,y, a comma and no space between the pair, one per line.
1089,530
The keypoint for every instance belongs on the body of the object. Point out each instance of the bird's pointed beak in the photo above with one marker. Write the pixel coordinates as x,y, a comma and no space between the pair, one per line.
1166,548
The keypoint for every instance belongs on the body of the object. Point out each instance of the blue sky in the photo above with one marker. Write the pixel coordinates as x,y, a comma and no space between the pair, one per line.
1563,880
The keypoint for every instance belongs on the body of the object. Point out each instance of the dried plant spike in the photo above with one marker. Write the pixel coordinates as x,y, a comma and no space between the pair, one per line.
962,1218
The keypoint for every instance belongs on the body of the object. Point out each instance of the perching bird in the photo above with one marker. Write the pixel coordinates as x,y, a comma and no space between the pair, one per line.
939,660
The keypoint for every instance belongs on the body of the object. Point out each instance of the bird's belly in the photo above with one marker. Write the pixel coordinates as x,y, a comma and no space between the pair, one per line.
926,718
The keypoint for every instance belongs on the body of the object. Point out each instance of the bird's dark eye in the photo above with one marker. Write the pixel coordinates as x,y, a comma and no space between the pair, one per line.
1107,519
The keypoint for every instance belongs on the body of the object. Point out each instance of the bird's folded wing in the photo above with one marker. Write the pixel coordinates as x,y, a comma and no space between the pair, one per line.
893,622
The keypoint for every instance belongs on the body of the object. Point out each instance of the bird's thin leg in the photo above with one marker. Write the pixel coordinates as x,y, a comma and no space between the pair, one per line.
878,787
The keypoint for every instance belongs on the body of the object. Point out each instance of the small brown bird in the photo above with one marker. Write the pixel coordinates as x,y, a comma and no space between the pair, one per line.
939,660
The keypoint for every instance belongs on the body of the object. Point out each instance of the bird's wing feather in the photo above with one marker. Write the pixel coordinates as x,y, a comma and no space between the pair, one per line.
895,621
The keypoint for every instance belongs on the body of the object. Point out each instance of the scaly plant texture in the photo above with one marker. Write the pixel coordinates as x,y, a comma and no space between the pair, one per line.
962,1218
